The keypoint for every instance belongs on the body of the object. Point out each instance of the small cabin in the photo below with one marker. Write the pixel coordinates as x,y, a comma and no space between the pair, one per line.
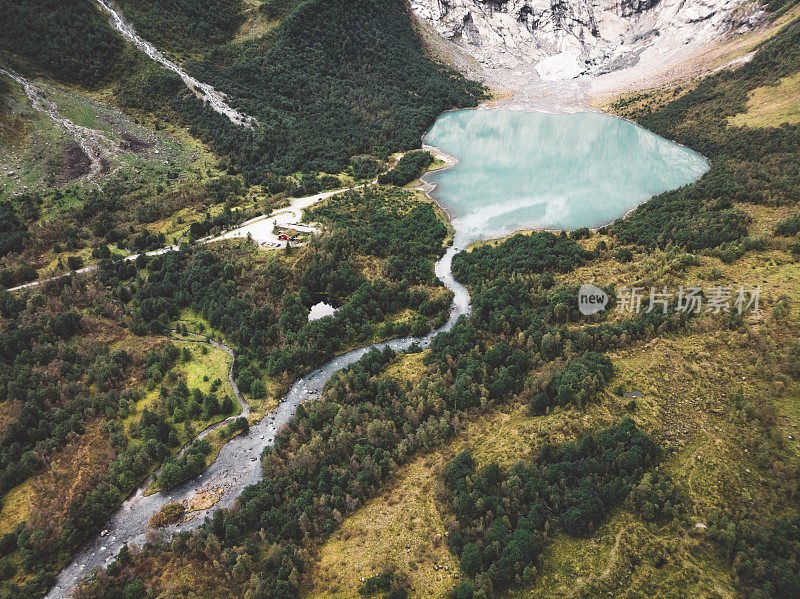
283,237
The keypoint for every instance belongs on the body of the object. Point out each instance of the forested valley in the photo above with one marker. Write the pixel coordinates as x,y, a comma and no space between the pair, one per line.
125,401
341,448
544,452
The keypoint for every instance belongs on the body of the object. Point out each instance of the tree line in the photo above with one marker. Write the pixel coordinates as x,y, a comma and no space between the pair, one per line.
752,165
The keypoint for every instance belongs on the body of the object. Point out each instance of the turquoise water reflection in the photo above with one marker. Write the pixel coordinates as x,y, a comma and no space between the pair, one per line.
522,170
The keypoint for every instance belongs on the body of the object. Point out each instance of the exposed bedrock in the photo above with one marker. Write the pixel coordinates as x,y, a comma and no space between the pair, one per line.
566,38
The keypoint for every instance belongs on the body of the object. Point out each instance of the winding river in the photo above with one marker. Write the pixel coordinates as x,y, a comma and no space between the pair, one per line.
238,464
547,197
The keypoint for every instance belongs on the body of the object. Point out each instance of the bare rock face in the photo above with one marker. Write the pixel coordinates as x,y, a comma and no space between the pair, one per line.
566,38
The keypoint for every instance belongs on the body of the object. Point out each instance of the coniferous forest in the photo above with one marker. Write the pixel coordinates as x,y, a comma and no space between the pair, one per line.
168,276
71,41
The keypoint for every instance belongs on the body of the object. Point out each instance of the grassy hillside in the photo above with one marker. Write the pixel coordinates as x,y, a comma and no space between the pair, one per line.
154,183
772,105
753,165
722,402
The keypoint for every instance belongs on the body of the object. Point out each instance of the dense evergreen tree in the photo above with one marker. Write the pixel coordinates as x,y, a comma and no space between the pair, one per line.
407,169
13,231
767,561
504,516
185,25
531,254
789,226
576,384
70,39
334,80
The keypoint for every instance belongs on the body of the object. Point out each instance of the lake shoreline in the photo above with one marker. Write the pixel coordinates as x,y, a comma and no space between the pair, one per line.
584,173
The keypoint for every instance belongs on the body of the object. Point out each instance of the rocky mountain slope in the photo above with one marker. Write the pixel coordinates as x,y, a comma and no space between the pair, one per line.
566,38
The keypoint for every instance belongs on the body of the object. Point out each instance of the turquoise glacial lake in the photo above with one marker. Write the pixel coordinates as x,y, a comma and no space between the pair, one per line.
526,170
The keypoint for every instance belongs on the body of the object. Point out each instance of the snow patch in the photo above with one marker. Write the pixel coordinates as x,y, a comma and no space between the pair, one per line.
561,66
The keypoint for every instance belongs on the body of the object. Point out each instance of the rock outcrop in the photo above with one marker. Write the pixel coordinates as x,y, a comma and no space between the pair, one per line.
565,38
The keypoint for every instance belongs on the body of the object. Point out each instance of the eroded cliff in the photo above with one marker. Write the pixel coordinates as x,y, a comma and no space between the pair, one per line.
566,38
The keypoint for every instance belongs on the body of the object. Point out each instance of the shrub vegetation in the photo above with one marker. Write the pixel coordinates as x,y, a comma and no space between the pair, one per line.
505,516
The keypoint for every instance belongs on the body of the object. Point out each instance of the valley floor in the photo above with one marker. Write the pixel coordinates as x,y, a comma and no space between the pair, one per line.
342,483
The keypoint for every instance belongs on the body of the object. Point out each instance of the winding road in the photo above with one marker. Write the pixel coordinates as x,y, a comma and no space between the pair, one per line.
260,230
